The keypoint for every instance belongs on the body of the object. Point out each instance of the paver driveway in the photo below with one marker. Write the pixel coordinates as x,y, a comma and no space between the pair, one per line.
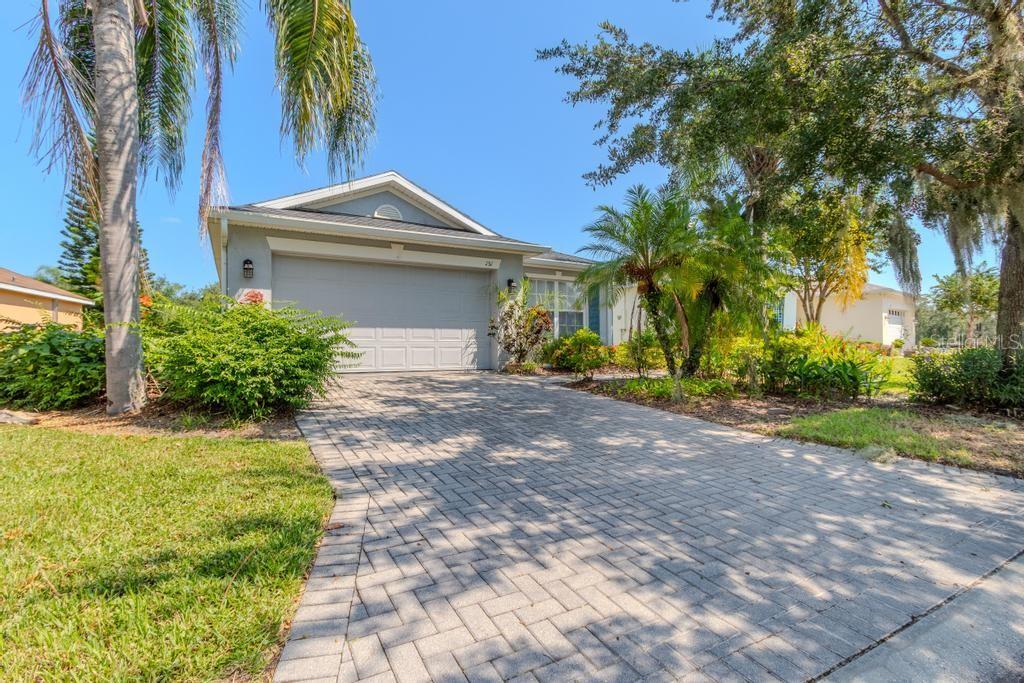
491,528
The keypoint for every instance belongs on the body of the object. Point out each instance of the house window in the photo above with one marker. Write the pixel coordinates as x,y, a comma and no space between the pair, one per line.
564,302
779,311
570,309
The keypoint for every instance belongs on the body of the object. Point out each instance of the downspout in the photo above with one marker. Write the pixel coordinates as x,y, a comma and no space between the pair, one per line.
224,256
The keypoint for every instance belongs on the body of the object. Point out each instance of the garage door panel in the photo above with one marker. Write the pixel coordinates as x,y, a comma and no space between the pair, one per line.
423,357
393,357
404,317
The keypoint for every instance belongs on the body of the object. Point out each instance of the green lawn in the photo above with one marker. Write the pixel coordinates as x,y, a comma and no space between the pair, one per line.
149,558
904,432
899,380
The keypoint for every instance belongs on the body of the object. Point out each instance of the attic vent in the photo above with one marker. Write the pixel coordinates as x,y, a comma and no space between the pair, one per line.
388,211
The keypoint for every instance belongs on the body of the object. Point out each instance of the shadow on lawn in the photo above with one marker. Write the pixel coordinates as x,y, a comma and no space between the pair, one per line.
700,546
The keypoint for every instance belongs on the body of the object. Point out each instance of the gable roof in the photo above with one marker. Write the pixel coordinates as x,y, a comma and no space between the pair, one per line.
558,259
389,180
16,282
371,224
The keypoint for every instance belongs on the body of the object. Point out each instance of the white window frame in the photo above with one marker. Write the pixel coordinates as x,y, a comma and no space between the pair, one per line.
561,283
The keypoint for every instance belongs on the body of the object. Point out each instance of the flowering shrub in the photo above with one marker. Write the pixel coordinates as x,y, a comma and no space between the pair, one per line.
580,353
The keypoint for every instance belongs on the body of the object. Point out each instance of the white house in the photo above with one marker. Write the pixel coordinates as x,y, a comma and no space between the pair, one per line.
881,315
417,277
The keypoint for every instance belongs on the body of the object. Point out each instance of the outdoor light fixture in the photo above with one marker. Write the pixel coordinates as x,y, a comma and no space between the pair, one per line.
511,285
247,268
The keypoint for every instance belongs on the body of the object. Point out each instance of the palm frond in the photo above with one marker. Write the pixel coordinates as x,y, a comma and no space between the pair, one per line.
218,26
58,95
165,57
328,91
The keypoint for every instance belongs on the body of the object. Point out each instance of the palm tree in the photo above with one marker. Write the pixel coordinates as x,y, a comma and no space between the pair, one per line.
639,246
122,72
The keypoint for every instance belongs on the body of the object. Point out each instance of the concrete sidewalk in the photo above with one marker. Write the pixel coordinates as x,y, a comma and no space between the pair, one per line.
977,636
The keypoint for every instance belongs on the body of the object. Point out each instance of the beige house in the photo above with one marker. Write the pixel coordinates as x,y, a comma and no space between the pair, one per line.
881,315
26,300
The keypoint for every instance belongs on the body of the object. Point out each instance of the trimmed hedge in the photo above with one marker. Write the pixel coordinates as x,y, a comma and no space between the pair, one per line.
970,378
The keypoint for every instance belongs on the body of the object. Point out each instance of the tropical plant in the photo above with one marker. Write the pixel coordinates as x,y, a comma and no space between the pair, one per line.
728,282
121,73
50,367
637,247
971,295
242,358
519,328
809,362
640,353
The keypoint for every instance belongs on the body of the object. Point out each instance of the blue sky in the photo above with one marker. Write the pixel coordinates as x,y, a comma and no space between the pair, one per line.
466,111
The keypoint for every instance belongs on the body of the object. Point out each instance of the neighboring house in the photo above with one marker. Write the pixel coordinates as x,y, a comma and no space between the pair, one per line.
26,300
417,277
881,315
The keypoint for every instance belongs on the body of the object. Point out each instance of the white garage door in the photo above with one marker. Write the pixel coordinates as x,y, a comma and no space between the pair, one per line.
404,317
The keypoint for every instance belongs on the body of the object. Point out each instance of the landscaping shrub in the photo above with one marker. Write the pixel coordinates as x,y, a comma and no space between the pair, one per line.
660,388
641,353
519,328
581,353
968,377
50,367
929,342
242,358
809,362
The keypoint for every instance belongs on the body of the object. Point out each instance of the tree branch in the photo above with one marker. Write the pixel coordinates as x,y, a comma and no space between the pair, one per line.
945,178
908,46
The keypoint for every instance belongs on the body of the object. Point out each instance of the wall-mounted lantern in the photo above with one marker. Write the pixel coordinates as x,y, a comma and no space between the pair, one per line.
511,284
247,269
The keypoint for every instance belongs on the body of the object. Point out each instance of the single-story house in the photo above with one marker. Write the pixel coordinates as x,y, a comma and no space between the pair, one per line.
417,277
26,300
881,315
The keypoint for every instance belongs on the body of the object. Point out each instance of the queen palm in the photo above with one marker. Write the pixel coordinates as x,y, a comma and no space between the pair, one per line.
640,246
122,72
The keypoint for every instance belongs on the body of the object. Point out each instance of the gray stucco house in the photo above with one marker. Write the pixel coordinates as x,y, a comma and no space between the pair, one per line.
417,277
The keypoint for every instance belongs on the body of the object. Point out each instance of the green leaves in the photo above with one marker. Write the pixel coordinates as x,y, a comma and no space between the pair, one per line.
244,359
328,91
50,367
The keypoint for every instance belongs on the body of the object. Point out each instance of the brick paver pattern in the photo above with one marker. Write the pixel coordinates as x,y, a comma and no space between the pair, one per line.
492,528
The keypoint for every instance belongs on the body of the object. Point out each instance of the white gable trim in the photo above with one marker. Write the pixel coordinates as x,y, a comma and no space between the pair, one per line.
397,253
382,181
46,295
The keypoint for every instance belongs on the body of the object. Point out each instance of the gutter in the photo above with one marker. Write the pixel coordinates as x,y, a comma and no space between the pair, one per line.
349,230
47,295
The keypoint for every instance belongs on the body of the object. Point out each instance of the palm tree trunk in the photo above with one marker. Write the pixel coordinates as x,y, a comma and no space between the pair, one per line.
117,146
1010,320
652,302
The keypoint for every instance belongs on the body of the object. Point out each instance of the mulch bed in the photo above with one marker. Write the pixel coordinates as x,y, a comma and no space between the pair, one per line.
162,419
761,415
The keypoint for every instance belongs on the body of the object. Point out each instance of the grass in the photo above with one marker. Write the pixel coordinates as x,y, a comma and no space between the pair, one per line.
900,379
150,558
907,433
